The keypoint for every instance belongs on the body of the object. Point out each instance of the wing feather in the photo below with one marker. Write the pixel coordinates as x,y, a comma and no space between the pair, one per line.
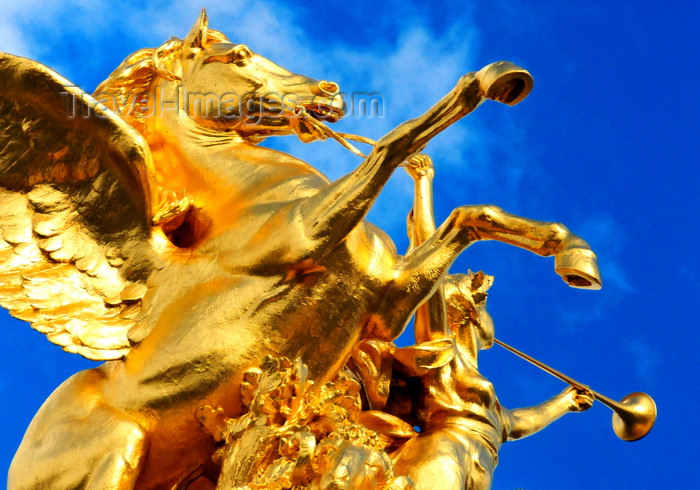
75,214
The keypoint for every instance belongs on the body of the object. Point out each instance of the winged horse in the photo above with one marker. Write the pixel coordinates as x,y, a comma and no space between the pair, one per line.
178,251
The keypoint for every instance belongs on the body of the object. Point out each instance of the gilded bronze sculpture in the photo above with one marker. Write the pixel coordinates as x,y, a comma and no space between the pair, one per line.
144,227
462,422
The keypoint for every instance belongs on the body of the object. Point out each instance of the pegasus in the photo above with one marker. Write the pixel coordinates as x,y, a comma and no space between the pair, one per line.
146,228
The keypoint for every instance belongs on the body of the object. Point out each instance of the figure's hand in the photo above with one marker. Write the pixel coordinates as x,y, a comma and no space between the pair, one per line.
579,399
419,165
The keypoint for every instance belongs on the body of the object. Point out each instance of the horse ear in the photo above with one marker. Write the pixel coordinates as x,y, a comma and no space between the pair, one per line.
198,33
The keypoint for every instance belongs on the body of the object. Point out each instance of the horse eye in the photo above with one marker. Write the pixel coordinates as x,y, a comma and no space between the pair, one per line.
224,54
241,54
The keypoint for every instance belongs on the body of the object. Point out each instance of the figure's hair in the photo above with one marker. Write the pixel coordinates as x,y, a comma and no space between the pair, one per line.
134,77
464,295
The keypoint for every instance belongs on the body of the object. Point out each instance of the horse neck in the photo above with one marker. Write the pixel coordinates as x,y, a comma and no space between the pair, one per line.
188,155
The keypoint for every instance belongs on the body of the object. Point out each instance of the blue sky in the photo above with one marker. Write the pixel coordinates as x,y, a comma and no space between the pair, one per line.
606,143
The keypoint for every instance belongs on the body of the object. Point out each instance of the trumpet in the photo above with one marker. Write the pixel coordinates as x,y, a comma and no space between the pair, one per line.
633,416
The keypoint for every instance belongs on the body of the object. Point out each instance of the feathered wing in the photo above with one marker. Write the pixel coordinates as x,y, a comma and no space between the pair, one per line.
75,208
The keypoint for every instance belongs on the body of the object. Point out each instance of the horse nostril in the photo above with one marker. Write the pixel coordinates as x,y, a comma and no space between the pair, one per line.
329,88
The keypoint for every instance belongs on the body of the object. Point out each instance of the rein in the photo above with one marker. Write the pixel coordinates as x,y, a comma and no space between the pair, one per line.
341,138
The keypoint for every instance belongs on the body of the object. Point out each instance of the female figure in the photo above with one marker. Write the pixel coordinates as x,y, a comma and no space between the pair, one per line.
462,422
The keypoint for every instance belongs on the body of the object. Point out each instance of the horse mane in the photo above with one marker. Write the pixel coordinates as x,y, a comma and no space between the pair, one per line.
136,75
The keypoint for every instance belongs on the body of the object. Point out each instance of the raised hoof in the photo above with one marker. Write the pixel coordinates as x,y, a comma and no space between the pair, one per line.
505,82
578,267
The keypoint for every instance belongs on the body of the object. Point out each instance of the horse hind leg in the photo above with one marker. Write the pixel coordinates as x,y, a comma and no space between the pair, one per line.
118,467
101,449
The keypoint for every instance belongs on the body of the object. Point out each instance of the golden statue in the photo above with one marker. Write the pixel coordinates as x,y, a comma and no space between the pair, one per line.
439,387
144,227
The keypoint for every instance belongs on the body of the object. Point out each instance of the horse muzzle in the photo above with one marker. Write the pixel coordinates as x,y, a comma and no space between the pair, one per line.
327,103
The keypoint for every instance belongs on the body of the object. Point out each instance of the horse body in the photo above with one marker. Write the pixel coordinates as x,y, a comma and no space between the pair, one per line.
266,256
210,365
235,307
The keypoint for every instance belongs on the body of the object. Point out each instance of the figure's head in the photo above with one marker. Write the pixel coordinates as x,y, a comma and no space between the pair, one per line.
465,295
219,85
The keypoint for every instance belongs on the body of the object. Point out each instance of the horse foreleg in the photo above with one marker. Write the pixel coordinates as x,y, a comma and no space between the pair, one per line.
330,215
420,271
574,260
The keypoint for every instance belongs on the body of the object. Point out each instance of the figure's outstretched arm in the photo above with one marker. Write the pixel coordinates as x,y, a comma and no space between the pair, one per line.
421,220
431,317
527,421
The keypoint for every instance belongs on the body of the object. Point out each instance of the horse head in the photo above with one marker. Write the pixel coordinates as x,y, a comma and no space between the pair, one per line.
219,85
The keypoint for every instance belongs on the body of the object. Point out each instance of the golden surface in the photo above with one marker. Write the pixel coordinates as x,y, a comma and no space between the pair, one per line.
436,383
145,228
295,435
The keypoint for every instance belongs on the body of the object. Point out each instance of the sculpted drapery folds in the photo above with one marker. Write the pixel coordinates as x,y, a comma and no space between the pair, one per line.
146,228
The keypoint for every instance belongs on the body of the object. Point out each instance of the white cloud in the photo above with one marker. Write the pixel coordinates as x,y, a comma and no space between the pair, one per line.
646,359
15,14
13,41
610,243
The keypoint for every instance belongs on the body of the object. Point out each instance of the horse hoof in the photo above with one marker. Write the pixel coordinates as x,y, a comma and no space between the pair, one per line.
578,267
505,82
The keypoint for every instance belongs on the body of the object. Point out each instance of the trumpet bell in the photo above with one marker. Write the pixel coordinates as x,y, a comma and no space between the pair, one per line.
634,417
